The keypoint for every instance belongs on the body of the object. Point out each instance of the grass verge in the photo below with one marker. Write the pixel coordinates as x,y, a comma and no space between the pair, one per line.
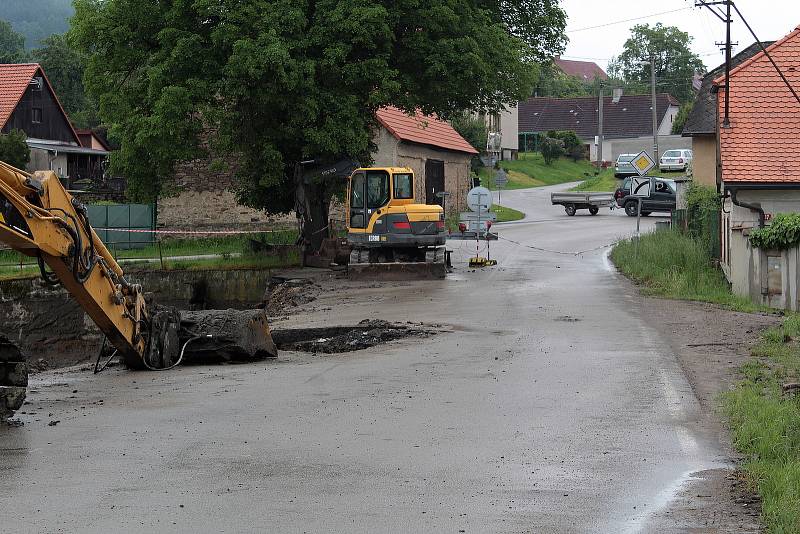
530,170
505,214
669,264
234,252
765,423
605,181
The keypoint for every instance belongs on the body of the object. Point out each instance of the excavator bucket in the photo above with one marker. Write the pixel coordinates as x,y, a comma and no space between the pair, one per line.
13,378
215,336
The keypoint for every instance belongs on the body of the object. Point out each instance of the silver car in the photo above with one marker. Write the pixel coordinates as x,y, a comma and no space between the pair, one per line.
623,166
675,160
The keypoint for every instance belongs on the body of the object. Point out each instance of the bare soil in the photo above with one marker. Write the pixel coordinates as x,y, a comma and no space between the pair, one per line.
711,344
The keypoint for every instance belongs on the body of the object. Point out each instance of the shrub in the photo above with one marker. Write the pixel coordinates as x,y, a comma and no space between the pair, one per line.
552,149
14,150
782,233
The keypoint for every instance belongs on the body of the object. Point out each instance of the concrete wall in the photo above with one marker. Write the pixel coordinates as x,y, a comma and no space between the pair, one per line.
394,153
704,163
509,127
41,161
767,277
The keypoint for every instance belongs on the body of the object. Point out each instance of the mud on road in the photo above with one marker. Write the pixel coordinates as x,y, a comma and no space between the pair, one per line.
711,344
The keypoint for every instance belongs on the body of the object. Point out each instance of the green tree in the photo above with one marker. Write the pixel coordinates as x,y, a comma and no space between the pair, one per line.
675,63
474,130
12,44
551,149
680,118
64,67
14,150
281,81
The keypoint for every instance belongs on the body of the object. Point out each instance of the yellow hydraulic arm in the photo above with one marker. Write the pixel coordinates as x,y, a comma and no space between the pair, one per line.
39,218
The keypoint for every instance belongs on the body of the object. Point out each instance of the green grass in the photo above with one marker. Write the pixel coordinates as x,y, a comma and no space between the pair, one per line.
505,214
672,265
225,247
605,181
530,171
766,425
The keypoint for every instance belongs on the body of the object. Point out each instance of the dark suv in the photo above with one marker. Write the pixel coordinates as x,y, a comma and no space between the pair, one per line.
662,197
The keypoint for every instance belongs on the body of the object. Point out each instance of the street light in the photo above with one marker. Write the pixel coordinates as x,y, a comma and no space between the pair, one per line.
652,64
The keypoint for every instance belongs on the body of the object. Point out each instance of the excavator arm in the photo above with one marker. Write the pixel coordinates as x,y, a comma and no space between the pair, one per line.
39,218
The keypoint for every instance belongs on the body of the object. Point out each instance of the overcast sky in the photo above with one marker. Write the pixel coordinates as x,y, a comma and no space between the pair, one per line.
770,19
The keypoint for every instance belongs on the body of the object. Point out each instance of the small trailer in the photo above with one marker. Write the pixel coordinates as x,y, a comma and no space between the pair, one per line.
574,201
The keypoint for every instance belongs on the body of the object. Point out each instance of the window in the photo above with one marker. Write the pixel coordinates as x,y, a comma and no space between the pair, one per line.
403,186
377,189
672,154
36,117
357,191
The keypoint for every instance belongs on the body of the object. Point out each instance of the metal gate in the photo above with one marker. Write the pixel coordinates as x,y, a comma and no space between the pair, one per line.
124,217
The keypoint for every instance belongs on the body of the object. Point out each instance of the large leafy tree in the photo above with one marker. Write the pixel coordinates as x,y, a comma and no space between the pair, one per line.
64,66
281,81
12,44
675,63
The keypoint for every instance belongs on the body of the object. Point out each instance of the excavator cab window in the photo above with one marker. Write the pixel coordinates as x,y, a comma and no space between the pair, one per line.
403,186
377,189
357,183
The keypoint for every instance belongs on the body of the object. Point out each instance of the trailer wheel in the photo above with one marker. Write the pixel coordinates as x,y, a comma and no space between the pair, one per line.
594,210
570,209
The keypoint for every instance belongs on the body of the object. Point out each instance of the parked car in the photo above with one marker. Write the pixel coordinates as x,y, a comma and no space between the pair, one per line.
623,166
675,160
662,197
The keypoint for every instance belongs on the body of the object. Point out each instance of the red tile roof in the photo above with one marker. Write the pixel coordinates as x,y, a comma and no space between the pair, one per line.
585,70
761,144
422,129
14,80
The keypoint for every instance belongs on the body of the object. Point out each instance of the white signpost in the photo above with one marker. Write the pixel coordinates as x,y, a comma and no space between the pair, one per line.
641,186
500,181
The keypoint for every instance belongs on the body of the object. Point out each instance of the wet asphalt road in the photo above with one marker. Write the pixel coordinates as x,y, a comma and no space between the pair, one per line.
546,405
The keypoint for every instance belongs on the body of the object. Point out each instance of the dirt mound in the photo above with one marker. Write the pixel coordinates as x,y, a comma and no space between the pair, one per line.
285,294
336,339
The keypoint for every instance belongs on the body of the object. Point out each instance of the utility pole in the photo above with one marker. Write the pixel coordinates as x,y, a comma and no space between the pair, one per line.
726,18
655,114
600,128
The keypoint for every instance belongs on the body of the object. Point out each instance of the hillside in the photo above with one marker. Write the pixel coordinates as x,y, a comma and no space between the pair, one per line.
37,19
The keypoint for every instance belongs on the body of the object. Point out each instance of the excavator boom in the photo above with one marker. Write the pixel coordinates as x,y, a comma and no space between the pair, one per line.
39,218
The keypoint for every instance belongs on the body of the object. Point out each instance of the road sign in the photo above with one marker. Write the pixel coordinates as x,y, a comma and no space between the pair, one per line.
501,178
640,187
643,163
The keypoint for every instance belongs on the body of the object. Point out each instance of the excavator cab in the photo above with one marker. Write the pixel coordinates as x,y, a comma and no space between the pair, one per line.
386,225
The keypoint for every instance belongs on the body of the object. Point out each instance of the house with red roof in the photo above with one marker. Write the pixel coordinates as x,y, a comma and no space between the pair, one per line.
438,155
585,71
28,103
759,170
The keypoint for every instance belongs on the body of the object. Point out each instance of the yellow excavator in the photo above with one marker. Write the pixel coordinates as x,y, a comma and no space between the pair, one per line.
387,230
41,219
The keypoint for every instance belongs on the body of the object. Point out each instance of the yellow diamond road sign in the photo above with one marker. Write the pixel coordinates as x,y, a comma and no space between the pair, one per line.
643,163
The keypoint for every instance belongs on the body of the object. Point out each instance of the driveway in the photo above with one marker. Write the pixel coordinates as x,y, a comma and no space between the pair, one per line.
547,403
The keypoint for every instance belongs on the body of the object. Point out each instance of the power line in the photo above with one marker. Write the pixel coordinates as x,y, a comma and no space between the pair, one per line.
613,23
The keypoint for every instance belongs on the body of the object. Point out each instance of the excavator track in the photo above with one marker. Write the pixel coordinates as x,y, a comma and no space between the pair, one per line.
432,268
13,378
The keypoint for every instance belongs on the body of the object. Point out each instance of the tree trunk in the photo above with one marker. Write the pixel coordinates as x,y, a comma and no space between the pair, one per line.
316,228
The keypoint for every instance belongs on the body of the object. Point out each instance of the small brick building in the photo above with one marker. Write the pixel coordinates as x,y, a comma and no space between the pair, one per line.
439,156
